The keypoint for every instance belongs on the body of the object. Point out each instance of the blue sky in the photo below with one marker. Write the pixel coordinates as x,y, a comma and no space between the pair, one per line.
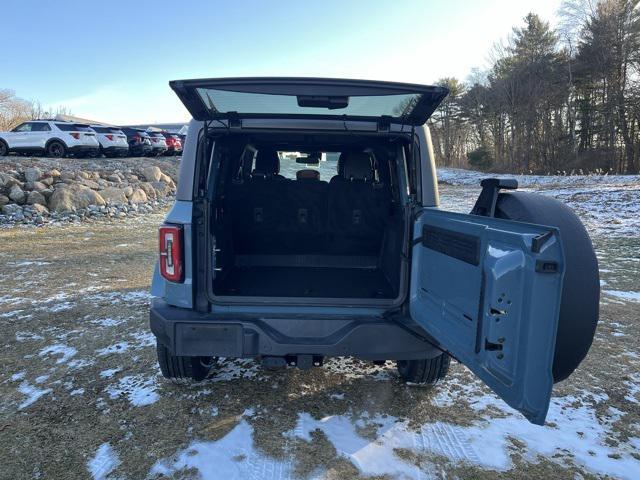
111,60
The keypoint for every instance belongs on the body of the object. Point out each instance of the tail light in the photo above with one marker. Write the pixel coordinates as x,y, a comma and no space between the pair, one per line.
137,139
109,137
171,256
75,135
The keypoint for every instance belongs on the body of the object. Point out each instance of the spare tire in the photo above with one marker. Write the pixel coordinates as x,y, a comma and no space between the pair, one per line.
581,287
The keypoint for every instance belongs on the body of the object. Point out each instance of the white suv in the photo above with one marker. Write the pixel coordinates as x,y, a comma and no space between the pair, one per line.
54,138
112,140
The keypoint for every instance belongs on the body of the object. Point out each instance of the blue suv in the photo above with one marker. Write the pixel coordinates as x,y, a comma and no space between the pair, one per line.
307,225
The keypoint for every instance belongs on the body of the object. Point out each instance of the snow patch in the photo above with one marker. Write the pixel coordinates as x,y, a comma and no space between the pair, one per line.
103,463
628,295
64,351
138,389
109,372
32,393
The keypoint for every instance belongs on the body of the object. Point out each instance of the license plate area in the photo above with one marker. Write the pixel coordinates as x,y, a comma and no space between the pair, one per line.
197,339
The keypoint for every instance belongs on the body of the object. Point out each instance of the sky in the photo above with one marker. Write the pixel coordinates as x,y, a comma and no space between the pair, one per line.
111,60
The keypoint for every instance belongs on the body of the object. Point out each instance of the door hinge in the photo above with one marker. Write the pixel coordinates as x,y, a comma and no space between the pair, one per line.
486,204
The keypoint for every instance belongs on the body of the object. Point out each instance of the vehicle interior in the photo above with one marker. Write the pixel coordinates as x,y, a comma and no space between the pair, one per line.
309,216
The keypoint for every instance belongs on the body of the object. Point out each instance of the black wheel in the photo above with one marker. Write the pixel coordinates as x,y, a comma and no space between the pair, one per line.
581,287
426,371
56,149
182,368
4,149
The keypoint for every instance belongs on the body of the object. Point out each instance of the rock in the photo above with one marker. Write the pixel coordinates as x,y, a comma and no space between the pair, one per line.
12,209
67,176
138,196
148,190
17,194
36,198
47,181
7,181
47,193
74,196
128,191
114,195
37,186
83,175
90,184
4,200
40,209
162,189
114,178
152,173
32,174
53,173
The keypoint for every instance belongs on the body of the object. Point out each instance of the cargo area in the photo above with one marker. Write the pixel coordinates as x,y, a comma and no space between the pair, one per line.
317,218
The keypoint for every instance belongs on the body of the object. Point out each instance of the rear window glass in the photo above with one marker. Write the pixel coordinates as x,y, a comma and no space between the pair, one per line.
223,101
73,127
106,130
328,166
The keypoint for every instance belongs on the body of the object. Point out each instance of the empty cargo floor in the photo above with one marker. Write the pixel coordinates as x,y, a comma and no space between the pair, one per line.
305,282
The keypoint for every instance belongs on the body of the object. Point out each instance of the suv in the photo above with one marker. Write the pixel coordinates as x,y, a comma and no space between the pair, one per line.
113,141
174,144
54,138
158,142
139,141
292,269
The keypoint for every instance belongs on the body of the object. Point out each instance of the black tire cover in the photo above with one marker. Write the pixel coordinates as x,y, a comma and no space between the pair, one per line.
581,289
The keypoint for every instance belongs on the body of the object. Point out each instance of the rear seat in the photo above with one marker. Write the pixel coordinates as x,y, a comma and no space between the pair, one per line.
358,207
307,213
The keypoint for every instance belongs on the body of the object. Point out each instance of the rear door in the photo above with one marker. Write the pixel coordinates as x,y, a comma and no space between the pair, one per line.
315,98
488,292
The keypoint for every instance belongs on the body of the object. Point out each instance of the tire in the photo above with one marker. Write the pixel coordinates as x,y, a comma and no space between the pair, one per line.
427,371
580,301
4,148
180,369
56,149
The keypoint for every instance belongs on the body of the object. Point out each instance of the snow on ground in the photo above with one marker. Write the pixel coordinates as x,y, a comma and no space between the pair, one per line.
103,463
140,390
32,393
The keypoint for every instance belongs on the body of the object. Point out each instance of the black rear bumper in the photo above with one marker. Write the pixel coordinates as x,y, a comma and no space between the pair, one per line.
188,333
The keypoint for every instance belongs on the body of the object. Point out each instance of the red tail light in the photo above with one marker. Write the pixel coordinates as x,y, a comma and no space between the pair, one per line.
171,257
110,137
75,135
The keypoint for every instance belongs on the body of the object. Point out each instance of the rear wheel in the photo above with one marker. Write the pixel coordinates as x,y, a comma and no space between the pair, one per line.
4,149
56,149
178,368
426,371
581,286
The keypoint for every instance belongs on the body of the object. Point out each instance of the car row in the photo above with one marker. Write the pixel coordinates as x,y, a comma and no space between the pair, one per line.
56,138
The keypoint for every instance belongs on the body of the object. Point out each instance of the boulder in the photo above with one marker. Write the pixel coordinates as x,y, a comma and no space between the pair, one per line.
165,178
4,200
47,193
114,195
83,175
37,186
67,176
68,198
47,181
128,191
162,189
40,209
17,194
148,190
90,184
152,173
32,174
7,181
36,198
138,196
53,173
12,209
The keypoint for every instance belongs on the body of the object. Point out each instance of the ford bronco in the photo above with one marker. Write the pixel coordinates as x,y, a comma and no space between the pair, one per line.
307,225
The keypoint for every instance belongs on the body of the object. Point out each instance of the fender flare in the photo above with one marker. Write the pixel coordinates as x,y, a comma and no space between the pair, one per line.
55,139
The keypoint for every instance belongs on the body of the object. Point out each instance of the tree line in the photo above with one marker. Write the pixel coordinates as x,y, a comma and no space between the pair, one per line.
15,110
552,100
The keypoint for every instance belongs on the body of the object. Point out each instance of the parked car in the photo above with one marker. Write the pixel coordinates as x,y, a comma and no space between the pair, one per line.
138,140
158,142
53,138
174,144
112,140
291,270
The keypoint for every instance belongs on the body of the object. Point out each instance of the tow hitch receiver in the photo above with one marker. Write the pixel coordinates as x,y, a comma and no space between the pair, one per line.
303,362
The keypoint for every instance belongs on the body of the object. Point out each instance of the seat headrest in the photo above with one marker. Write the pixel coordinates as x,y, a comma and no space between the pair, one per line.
357,166
267,162
308,174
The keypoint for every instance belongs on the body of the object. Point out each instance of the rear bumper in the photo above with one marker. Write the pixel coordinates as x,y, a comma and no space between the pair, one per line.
113,149
140,150
83,149
188,333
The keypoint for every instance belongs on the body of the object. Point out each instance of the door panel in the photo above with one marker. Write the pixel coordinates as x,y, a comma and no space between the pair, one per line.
488,291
